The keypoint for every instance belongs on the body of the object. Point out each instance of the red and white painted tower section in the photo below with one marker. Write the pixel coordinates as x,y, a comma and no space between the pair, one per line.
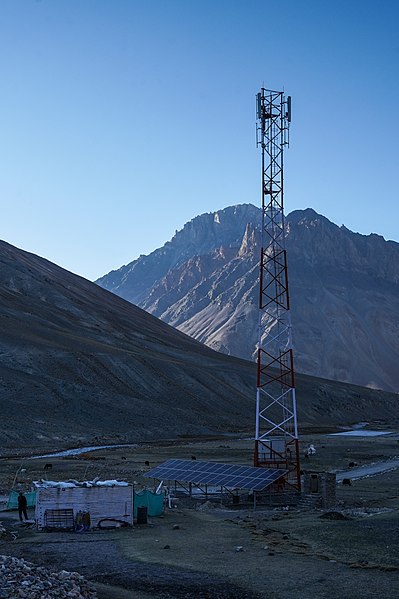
276,436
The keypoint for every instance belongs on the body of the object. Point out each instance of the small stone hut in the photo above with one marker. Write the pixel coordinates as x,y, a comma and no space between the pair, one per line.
322,485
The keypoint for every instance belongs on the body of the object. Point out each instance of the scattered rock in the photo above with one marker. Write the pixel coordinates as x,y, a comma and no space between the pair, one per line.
6,535
175,527
334,516
204,507
239,548
20,579
167,547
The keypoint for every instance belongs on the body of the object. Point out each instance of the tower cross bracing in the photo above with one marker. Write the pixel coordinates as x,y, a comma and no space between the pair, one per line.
276,433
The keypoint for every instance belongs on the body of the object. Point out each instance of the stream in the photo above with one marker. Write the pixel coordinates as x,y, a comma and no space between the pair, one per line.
353,473
79,450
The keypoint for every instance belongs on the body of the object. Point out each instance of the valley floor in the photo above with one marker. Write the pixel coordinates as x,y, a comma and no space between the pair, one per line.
192,553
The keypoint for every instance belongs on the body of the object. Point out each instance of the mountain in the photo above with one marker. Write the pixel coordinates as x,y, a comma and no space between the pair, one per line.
199,237
79,366
344,291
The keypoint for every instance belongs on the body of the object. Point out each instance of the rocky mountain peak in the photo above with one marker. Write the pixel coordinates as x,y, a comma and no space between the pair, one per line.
344,291
214,229
199,237
250,240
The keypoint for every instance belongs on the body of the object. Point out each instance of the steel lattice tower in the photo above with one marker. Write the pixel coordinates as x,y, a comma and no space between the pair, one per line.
276,437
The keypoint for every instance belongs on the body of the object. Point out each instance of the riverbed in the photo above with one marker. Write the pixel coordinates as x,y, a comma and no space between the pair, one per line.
79,451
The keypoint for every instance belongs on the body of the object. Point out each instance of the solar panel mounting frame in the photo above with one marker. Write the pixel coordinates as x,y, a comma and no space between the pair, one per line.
214,473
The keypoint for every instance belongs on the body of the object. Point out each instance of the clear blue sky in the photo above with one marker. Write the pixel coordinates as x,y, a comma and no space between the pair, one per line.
123,119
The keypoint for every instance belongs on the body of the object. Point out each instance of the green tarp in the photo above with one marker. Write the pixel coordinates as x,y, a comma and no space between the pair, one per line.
12,503
150,500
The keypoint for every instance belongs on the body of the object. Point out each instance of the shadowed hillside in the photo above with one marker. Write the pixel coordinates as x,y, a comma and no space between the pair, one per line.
80,365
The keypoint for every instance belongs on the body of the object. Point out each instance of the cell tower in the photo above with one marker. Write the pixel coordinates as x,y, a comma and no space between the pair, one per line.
276,436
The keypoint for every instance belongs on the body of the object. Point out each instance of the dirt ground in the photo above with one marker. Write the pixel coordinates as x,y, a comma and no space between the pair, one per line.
191,552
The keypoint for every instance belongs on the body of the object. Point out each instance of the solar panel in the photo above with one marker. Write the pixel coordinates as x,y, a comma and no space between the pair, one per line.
212,473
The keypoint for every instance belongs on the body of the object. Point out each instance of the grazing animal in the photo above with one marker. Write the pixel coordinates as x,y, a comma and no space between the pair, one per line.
310,451
193,457
147,463
346,481
123,457
48,466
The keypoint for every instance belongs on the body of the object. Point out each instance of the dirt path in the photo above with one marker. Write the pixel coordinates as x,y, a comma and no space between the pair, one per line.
99,556
368,470
278,559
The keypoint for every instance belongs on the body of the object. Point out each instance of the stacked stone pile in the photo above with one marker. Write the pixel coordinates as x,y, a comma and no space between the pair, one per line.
20,579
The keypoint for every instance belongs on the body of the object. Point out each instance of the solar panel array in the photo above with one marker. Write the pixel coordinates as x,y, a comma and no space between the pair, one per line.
211,473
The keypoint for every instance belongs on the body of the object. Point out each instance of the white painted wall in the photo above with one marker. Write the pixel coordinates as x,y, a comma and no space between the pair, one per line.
101,502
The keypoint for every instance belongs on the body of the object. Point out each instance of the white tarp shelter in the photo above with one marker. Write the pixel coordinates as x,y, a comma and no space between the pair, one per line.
102,499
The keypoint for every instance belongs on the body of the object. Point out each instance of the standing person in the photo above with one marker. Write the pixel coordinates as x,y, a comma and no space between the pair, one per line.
22,505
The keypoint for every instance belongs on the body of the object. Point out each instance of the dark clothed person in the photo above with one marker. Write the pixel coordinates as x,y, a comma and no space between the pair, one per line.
22,505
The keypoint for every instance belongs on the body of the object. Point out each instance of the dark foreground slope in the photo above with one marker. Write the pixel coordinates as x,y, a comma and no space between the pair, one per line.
80,365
